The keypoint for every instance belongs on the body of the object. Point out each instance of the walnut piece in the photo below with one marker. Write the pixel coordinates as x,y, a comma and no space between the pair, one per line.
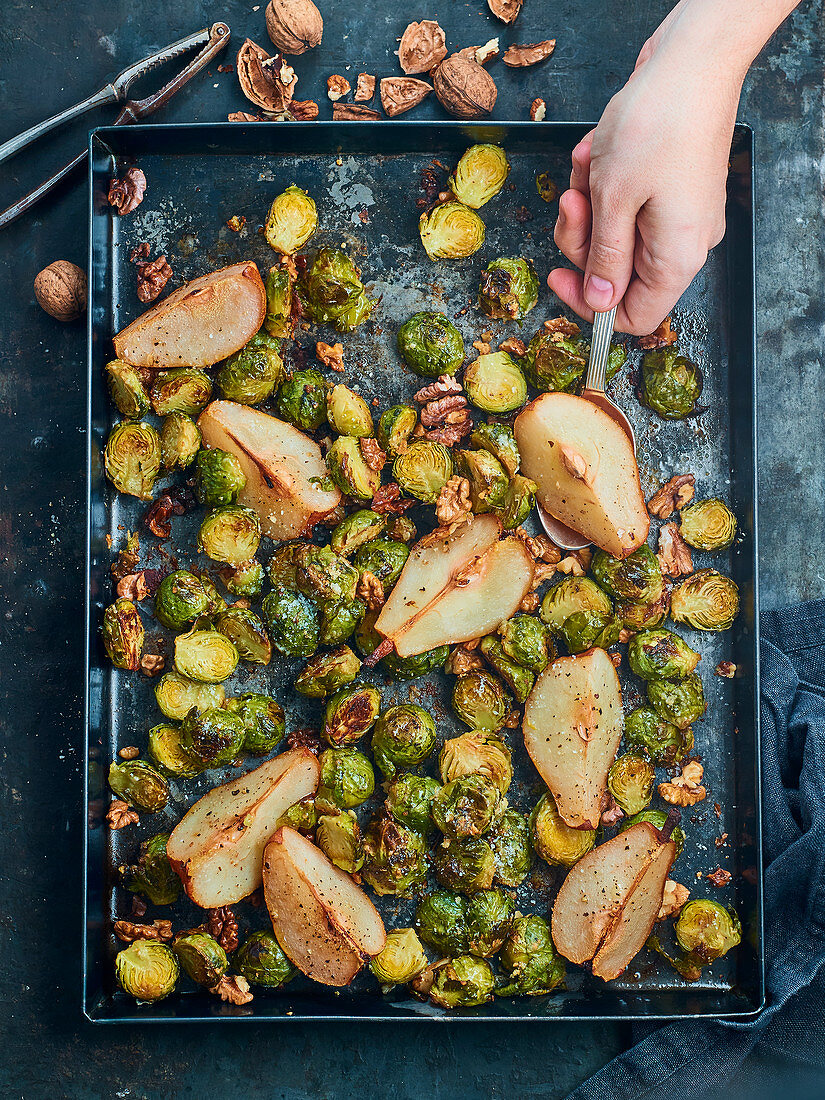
294,26
174,502
133,587
674,553
726,669
61,290
354,112
129,752
222,925
445,385
673,900
303,110
266,81
572,564
480,54
372,454
401,93
331,355
388,500
453,506
364,88
513,346
126,194
236,223
337,87
464,88
152,277
538,110
719,877
540,547
461,660
561,327
152,664
530,603
505,10
233,988
422,46
520,57
128,931
662,337
120,814
672,496
371,590
685,789
612,812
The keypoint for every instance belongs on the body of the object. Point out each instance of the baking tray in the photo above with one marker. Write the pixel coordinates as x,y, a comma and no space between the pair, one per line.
364,177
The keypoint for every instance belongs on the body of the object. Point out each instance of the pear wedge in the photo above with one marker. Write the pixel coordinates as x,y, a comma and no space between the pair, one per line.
572,729
585,469
283,467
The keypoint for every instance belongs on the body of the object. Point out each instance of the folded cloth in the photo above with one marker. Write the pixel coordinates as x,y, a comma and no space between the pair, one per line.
693,1058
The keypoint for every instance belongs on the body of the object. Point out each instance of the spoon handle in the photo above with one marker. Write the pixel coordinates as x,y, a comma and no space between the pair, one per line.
599,350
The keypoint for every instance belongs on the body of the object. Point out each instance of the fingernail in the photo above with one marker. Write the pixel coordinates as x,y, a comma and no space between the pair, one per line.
598,292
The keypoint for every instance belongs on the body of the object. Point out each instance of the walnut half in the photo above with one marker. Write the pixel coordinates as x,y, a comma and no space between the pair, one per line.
685,789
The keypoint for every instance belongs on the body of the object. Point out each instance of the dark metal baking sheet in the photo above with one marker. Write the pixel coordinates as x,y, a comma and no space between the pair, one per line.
364,177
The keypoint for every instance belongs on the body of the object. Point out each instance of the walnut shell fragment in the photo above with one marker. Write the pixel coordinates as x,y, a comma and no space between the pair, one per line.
353,112
364,88
519,57
505,10
294,26
422,46
266,81
401,93
464,88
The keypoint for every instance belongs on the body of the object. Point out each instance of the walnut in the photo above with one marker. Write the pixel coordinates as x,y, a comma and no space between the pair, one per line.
133,587
445,385
505,10
538,110
663,337
726,669
364,88
128,931
121,814
266,81
371,590
354,112
530,603
482,347
719,877
513,720
453,506
294,26
572,565
61,290
152,664
625,635
331,355
152,277
673,900
674,553
461,660
236,223
685,789
542,572
176,501
372,454
561,327
303,110
672,496
139,252
401,93
540,547
388,500
126,194
452,409
337,87
222,926
615,659
233,988
422,46
129,752
127,558
464,88
481,54
520,57
513,346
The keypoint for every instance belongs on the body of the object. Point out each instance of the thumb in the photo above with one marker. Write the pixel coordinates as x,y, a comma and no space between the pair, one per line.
610,258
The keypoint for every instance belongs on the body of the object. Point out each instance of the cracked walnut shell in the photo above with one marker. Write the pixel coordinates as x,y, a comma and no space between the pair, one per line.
520,57
505,10
422,46
401,93
294,26
266,81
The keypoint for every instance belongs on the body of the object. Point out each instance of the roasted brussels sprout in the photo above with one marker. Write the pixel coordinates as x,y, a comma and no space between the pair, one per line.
554,840
283,565
661,655
302,399
123,634
630,780
423,470
347,412
420,664
643,616
404,736
671,383
430,345
328,672
476,753
525,640
201,957
637,577
339,838
680,703
465,865
331,291
401,958
126,389
480,701
518,502
357,529
509,289
499,440
510,841
441,922
350,713
347,778
394,857
303,816
215,737
489,918
279,320
495,383
467,807
530,960
706,601
384,558
395,428
518,679
570,595
231,534
555,360
180,441
409,800
663,742
528,935
462,983
479,175
488,481
658,819
349,470
451,231
176,695
585,629
261,961
708,525
263,721
132,457
147,970
152,875
707,930
216,601
205,655
291,221
292,622
180,599
137,782
218,477
251,374
168,753
322,574
186,390
246,632
339,618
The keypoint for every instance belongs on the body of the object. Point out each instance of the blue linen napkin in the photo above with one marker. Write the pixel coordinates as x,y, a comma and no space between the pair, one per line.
695,1058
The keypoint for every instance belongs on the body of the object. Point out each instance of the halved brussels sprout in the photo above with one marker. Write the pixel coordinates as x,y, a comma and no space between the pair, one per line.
322,574
132,457
291,221
123,634
339,618
510,841
176,695
671,383
680,703
168,753
467,806
409,800
180,599
707,930
395,428
509,288
152,875
476,753
661,655
263,721
292,622
529,934
201,957
218,477
350,713
585,630
706,601
441,922
394,858
404,736
126,389
180,441
278,321
331,291
479,175
147,970
518,679
186,390
708,525
525,640
637,577
663,742
245,579
499,440
231,533
137,782
304,815
339,838
630,781
451,231
216,601
518,502
347,778
465,865
400,959
251,374
347,412
488,481
480,701
384,558
420,664
530,960
495,383
430,345
328,672
349,470
302,399
555,360
283,565
490,916
658,819
359,528
214,737
205,655
462,983
423,470
554,840
261,961
570,595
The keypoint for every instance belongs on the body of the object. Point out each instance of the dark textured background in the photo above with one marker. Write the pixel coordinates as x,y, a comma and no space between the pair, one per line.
51,55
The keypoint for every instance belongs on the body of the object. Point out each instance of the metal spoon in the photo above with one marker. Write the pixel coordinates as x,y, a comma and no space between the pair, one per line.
564,536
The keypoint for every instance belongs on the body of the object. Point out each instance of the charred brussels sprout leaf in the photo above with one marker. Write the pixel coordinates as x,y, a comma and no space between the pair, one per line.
480,701
126,389
132,458
495,383
661,655
488,481
452,231
509,289
147,970
409,799
168,753
465,865
706,601
586,629
518,502
680,703
525,641
430,345
152,875
708,525
404,736
441,922
292,622
630,781
218,477
554,840
400,960
479,175
291,221
180,441
663,742
347,412
180,599
328,672
186,390
123,634
420,664
395,428
350,713
201,957
205,655
339,838
518,679
467,807
384,558
302,399
555,361
510,841
570,595
278,321
261,961
489,919
139,783
245,579
394,858
671,383
214,737
176,695
707,930
476,753
331,291
423,470
251,374
462,983
356,530
339,618
658,819
637,577
231,534
263,721
349,470
347,778
499,440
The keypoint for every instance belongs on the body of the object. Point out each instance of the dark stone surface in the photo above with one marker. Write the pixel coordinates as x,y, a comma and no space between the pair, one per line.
50,56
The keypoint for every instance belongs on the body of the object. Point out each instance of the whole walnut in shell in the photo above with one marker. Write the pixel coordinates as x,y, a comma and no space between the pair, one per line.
465,89
60,289
295,26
